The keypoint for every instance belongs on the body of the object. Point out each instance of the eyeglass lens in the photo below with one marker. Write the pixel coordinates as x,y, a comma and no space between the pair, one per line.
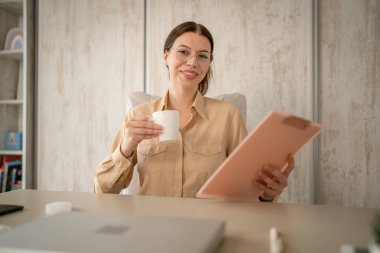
185,55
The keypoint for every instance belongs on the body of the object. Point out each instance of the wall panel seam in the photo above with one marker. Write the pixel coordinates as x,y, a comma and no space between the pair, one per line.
145,72
315,101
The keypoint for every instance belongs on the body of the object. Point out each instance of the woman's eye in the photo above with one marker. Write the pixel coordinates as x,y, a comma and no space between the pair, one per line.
183,52
203,56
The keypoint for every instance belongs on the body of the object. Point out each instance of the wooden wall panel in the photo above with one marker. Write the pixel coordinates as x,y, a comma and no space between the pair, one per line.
90,57
350,102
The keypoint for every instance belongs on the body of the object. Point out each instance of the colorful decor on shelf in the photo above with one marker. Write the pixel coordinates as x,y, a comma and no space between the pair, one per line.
14,39
13,141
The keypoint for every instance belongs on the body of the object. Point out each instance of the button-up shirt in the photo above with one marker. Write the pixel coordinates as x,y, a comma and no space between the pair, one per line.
178,168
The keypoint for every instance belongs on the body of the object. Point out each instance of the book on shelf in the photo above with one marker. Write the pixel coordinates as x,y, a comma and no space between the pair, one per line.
8,158
16,175
17,186
1,180
12,174
3,161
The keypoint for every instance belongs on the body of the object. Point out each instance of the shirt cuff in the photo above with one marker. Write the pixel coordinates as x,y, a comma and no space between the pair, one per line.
119,157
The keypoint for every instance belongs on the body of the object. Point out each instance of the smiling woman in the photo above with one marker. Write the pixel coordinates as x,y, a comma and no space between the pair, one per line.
180,168
182,36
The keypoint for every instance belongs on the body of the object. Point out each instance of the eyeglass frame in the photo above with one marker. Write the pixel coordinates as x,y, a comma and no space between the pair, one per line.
192,55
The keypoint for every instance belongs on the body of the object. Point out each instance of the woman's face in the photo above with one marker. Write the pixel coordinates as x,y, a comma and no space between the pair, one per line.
188,60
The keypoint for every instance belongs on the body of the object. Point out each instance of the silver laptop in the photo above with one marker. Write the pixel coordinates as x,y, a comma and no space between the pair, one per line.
80,232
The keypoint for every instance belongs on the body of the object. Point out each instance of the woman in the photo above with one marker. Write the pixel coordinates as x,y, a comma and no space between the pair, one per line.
209,130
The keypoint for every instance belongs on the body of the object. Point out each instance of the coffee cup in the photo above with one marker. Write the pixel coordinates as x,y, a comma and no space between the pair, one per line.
169,120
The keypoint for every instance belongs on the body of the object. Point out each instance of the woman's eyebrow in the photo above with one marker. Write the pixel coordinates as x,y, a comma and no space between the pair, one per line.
206,51
184,46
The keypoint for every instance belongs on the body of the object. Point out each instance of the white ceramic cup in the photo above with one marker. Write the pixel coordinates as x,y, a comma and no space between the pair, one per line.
169,120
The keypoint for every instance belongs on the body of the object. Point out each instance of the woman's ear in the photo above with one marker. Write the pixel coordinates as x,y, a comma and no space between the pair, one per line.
166,54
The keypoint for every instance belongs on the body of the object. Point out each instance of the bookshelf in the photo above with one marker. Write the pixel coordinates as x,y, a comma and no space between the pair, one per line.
11,54
10,152
11,102
17,83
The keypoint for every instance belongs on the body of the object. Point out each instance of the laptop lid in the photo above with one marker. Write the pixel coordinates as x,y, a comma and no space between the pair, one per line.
91,232
275,137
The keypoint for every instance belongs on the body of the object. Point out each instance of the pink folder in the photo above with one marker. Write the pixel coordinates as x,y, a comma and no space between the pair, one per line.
274,138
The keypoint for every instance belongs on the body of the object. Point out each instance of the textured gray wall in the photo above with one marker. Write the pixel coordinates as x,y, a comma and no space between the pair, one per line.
350,102
91,55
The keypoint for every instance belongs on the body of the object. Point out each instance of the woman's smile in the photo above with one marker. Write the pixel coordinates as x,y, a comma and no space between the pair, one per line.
189,74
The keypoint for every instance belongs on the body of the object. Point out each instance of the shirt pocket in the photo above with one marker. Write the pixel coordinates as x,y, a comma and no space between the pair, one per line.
204,159
150,156
155,168
151,150
206,149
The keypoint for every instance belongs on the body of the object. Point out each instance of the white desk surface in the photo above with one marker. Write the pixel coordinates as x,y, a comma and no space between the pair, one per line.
305,228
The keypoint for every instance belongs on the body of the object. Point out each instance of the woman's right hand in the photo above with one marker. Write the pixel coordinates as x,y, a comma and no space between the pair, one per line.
137,129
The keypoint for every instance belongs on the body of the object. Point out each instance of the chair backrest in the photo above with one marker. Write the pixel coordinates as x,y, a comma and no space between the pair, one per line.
137,98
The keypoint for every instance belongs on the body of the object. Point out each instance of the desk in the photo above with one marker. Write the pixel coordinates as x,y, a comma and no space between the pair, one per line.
305,228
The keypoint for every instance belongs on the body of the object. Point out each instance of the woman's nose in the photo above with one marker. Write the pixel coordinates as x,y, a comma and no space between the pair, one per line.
193,60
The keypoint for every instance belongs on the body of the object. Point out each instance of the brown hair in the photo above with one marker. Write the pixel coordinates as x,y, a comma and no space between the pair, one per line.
201,30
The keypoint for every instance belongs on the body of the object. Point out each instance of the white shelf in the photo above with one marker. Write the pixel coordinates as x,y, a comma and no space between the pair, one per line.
10,152
11,102
20,69
11,54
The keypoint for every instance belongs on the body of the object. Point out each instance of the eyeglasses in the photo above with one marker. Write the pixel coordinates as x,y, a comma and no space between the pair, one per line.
184,54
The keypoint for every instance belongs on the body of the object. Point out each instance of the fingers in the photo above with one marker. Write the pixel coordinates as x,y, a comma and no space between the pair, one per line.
141,118
142,122
289,168
267,193
141,127
137,129
272,180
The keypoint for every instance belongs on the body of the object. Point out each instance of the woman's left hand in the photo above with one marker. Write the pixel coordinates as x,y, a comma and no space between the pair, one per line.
272,180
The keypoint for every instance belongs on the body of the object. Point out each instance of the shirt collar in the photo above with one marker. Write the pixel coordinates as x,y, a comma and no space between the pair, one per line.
198,104
164,101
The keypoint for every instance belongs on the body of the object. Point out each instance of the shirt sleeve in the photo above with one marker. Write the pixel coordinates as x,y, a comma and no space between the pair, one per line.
115,172
237,132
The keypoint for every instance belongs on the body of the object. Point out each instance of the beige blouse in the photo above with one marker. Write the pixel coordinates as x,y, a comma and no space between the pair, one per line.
177,168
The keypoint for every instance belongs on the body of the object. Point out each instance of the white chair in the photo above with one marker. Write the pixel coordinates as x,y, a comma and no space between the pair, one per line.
137,98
